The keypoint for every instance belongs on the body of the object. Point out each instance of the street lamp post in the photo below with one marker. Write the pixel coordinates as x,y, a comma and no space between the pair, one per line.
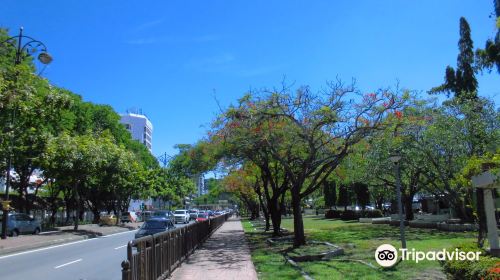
395,159
24,49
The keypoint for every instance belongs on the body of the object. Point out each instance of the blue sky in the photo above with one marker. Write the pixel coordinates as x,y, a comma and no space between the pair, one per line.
170,58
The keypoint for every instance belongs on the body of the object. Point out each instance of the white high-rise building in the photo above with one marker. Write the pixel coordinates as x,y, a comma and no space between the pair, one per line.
140,128
199,181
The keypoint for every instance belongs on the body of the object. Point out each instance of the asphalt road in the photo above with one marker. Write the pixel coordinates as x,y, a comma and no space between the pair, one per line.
91,259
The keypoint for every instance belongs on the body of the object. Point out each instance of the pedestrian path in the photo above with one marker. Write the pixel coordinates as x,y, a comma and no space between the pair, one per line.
225,255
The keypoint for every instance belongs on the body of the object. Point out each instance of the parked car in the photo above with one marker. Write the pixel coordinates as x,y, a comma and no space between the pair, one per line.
108,219
202,217
181,216
154,225
18,223
128,217
193,214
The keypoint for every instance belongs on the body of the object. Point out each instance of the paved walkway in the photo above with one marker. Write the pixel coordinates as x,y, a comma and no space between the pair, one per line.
225,255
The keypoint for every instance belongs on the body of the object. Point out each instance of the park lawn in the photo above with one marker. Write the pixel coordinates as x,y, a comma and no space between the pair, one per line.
359,241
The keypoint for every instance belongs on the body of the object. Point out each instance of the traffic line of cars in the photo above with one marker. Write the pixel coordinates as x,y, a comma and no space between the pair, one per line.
163,220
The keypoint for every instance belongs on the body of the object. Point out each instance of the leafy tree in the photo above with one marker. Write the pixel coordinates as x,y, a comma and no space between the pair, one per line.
461,81
489,57
240,143
330,193
344,197
32,110
311,133
362,194
243,185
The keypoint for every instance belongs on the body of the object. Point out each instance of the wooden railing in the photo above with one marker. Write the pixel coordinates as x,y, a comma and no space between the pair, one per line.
156,256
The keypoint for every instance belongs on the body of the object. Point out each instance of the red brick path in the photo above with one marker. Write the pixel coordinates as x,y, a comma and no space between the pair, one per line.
225,255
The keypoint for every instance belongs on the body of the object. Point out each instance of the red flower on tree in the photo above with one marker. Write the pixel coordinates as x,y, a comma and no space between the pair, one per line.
398,114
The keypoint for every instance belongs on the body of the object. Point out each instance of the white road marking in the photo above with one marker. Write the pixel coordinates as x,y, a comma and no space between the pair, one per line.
47,232
61,245
120,247
59,266
106,236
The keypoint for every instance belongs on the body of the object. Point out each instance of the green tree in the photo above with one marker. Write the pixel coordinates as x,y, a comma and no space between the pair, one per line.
489,57
345,197
362,194
330,193
311,133
461,81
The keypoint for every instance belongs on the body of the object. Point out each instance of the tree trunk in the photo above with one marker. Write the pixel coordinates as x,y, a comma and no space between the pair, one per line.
275,212
379,203
408,204
97,215
283,205
298,224
53,209
266,212
77,206
69,208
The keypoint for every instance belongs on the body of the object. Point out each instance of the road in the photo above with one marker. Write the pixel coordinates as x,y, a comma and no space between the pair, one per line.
91,259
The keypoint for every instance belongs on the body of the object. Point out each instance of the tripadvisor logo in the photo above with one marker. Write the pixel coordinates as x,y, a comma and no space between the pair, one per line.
386,255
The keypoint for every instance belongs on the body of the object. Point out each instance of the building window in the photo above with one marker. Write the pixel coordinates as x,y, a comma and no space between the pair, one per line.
128,126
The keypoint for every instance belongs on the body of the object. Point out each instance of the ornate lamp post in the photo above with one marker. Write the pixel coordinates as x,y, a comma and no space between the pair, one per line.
25,47
395,158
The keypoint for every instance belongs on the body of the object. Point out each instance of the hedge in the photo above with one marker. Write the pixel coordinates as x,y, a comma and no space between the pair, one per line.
352,215
332,214
487,268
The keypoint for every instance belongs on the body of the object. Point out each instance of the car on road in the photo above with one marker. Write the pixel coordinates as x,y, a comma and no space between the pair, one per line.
107,219
163,214
218,213
154,225
181,216
128,217
18,223
146,215
202,217
193,214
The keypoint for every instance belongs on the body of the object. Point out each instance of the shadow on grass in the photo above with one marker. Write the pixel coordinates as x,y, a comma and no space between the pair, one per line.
352,230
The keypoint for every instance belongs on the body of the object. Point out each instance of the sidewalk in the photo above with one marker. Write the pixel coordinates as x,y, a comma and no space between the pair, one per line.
225,255
62,235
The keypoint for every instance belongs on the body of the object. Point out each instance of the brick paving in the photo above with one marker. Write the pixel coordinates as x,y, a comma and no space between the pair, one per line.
225,255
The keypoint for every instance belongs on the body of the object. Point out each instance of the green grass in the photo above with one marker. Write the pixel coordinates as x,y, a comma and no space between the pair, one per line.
359,241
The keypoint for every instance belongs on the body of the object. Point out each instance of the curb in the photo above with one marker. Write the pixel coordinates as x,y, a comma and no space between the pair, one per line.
27,247
8,251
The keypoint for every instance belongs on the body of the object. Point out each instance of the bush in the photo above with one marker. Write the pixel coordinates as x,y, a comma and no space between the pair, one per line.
350,215
487,268
376,213
332,214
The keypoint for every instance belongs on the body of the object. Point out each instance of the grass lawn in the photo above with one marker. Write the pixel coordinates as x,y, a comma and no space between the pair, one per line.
359,241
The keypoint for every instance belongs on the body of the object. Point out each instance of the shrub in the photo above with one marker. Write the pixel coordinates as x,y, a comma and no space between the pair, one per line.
487,268
376,213
332,214
350,215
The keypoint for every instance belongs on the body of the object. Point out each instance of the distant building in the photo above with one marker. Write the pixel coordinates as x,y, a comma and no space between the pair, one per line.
35,179
140,128
199,181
